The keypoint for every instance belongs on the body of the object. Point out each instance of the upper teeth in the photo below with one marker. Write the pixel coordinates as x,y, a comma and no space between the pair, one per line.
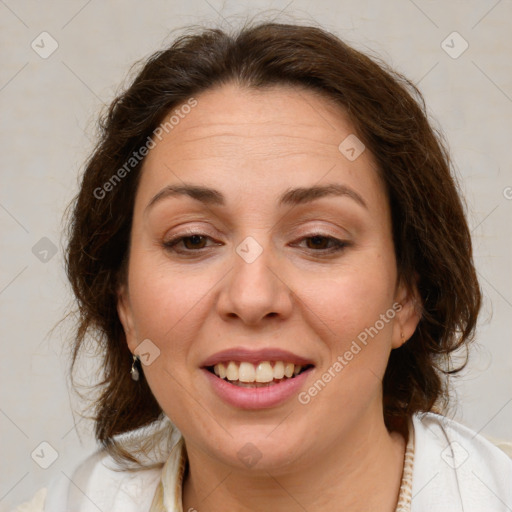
262,372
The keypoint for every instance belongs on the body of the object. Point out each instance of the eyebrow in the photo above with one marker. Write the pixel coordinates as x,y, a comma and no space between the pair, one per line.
294,196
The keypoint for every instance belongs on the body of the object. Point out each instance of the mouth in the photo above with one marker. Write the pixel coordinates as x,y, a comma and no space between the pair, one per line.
256,379
264,374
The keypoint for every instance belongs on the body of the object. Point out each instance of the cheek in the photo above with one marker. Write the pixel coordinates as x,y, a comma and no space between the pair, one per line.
358,341
355,308
160,297
167,309
353,297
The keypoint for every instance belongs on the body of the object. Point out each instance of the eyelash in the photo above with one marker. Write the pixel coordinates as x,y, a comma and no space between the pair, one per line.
338,245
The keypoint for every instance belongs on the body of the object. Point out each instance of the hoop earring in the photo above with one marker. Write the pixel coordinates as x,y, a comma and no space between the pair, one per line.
135,370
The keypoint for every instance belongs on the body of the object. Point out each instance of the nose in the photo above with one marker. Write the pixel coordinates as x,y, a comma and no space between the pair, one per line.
255,289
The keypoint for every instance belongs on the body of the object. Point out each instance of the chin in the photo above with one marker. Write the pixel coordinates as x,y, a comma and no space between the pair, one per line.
260,449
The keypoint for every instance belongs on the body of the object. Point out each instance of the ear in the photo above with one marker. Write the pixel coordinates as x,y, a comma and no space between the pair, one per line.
124,310
408,312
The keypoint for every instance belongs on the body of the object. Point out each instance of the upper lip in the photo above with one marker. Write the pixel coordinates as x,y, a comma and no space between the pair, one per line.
255,356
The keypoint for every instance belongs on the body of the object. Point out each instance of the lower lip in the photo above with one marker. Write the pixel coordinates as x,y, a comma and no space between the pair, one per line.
257,398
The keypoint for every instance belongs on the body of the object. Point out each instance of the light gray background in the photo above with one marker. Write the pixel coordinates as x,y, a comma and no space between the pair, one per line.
48,111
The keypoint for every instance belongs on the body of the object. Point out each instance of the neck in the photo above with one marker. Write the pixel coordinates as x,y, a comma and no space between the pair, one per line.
360,472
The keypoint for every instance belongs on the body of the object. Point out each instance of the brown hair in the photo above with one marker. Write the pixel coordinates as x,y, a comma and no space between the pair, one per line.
431,237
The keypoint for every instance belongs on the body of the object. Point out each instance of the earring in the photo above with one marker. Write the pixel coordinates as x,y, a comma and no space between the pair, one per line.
135,371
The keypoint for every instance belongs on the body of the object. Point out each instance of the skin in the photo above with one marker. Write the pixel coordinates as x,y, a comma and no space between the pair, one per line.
252,145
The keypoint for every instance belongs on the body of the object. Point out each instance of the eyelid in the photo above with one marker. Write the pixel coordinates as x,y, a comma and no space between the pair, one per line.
333,225
324,229
187,234
184,231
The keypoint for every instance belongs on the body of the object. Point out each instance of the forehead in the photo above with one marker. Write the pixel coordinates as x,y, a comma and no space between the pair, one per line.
231,115
268,138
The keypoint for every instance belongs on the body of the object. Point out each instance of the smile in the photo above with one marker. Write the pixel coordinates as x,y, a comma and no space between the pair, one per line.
263,374
240,388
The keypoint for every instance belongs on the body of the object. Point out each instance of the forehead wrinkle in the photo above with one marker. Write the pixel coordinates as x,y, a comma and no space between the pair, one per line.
231,135
235,128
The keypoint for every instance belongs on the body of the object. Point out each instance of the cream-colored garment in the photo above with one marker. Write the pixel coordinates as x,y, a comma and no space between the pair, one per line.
168,494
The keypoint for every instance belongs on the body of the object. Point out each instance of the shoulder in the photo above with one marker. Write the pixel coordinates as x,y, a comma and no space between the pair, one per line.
455,468
98,483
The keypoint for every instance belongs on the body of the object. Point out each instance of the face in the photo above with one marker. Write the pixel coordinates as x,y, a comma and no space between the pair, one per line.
287,257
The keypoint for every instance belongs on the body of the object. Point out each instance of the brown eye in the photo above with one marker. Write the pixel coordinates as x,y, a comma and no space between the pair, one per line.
194,241
193,244
318,242
322,244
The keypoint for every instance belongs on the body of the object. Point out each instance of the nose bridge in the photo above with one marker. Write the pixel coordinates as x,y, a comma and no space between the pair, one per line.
254,290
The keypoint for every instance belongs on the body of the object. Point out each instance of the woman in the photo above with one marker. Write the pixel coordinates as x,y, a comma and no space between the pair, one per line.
272,252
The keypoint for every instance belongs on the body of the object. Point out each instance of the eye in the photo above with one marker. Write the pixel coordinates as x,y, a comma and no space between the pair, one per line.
323,243
192,242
